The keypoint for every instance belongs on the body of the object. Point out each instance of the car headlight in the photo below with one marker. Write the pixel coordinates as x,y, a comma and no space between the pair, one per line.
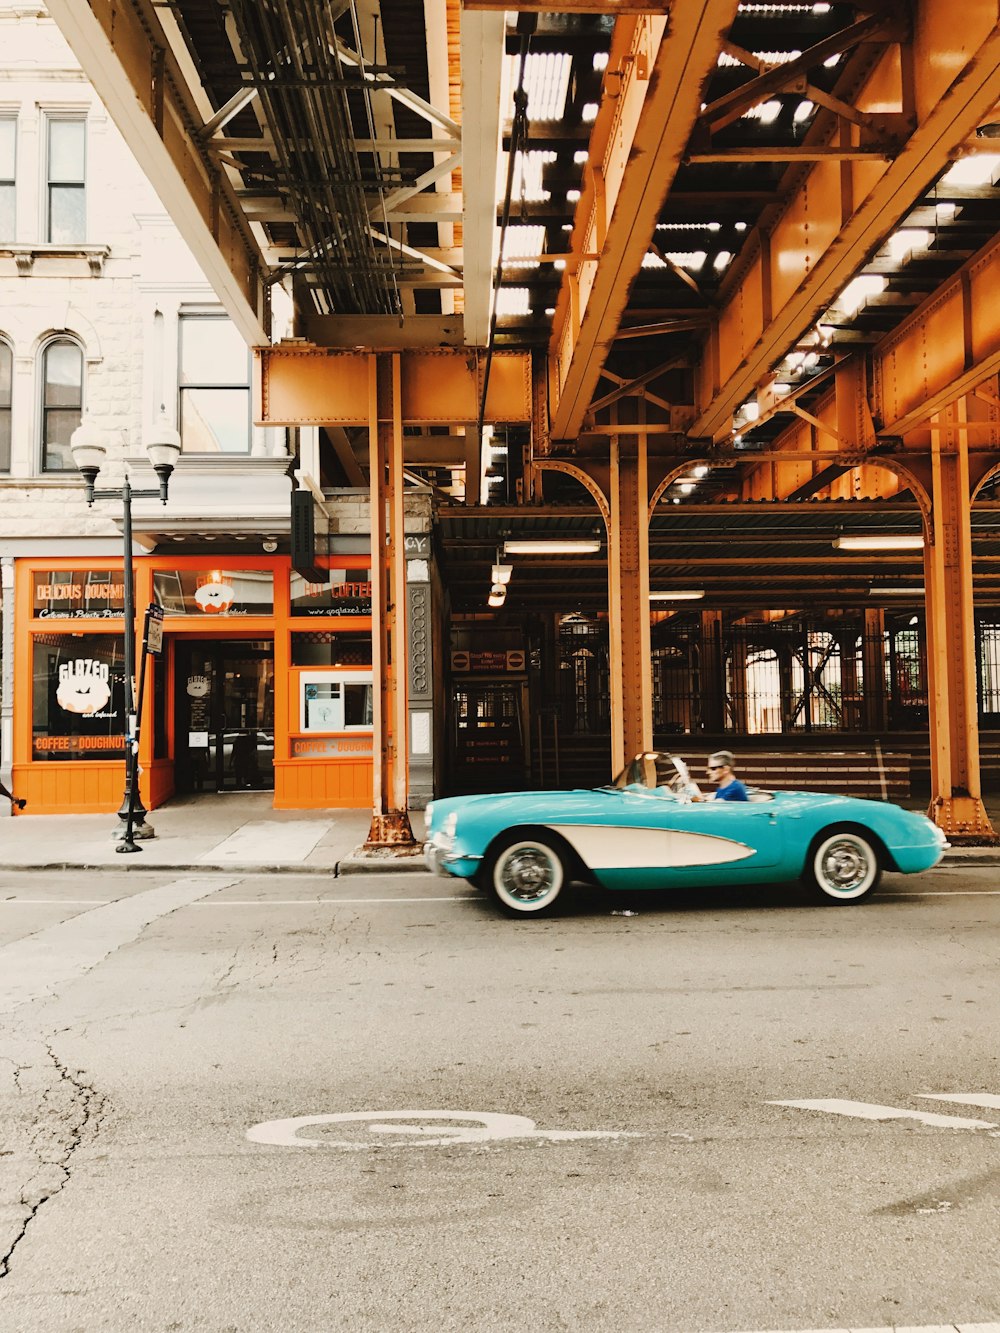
449,826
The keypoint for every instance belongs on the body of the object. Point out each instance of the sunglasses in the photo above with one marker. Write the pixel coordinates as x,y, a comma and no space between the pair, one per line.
715,768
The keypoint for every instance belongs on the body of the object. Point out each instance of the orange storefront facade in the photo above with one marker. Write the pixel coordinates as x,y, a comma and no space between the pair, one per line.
264,681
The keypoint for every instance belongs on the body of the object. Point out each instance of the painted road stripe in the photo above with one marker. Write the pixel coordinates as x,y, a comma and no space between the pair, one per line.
34,967
869,1111
897,1328
235,902
987,1099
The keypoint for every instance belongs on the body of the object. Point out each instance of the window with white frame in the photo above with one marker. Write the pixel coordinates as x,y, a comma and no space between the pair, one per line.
6,385
214,384
8,169
65,176
62,402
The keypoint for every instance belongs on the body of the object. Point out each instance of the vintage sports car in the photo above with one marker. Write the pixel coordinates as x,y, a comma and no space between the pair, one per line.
653,829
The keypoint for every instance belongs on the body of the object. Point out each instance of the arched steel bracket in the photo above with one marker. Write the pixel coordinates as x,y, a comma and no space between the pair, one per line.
585,480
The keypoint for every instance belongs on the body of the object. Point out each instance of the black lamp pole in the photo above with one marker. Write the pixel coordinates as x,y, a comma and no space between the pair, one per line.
132,811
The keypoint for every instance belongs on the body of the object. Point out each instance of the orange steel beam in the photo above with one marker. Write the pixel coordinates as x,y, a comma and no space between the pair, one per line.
956,790
390,826
947,347
628,606
652,98
320,386
821,240
126,56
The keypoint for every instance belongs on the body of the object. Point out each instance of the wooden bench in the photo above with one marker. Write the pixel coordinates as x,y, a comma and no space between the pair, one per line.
848,773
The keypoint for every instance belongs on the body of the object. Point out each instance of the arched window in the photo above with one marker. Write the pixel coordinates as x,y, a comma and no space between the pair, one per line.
6,384
62,402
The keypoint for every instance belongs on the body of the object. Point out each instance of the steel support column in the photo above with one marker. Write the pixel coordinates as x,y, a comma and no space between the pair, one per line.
873,664
956,793
390,825
712,682
628,604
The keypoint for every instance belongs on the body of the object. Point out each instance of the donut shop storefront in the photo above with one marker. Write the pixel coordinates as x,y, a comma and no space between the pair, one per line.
264,682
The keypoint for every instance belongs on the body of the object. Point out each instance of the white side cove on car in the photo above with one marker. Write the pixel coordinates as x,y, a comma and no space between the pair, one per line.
603,848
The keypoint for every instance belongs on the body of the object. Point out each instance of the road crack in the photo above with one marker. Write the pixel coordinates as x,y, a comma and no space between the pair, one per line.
73,1111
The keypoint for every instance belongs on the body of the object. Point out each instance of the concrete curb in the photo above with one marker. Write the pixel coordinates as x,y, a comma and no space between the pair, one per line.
377,863
374,865
380,862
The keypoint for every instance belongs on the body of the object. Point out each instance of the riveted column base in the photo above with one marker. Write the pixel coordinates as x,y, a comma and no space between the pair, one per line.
391,830
964,821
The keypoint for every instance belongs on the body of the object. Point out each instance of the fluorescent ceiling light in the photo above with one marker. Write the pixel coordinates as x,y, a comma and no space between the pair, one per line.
895,592
513,301
978,169
682,595
551,546
885,541
857,292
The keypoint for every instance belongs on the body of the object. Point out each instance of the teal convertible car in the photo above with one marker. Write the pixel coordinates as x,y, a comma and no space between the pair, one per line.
653,829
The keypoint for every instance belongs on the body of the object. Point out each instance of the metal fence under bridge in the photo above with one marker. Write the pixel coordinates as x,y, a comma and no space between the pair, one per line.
857,683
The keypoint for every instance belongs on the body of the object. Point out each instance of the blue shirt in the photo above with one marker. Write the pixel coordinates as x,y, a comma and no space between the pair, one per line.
732,791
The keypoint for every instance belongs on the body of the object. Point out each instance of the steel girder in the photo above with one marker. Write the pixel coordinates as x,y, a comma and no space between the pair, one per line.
638,141
950,76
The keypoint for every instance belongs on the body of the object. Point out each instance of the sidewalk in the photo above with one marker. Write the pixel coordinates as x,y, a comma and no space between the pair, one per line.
202,833
241,831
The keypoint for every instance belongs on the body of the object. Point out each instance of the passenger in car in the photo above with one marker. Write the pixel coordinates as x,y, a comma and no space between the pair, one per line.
720,771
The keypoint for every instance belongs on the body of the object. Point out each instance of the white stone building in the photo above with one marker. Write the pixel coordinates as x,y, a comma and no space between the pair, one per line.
105,317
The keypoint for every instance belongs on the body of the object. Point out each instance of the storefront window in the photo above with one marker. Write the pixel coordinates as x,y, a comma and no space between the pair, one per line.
333,702
78,709
346,592
332,649
77,594
212,593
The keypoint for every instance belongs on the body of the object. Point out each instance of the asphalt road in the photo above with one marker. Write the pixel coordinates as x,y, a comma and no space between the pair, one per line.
140,1042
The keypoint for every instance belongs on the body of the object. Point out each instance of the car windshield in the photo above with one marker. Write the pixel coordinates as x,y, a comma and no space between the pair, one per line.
652,770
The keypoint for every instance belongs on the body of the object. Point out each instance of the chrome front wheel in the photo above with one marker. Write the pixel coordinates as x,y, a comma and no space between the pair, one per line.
526,876
844,867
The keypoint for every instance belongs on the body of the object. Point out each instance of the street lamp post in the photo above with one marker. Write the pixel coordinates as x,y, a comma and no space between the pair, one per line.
89,452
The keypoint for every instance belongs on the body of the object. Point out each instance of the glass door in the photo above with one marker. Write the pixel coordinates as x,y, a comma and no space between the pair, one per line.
225,716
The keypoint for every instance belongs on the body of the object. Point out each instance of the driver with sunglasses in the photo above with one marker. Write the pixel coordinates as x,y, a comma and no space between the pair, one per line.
720,771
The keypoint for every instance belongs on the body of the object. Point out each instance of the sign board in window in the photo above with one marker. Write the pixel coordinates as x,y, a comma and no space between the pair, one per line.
78,704
346,592
77,594
211,594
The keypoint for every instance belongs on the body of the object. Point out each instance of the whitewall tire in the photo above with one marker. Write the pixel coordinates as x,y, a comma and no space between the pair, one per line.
843,867
527,876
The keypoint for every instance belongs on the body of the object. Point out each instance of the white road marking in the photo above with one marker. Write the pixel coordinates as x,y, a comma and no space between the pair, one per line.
870,1111
899,1328
264,840
34,967
942,893
479,1127
237,902
987,1099
336,902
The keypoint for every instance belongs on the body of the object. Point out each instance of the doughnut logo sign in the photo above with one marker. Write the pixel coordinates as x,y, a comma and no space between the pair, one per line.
84,686
215,598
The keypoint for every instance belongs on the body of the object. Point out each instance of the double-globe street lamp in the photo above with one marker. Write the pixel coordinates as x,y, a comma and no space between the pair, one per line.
162,445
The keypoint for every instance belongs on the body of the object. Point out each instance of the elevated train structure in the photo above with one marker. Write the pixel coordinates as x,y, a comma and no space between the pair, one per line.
700,297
